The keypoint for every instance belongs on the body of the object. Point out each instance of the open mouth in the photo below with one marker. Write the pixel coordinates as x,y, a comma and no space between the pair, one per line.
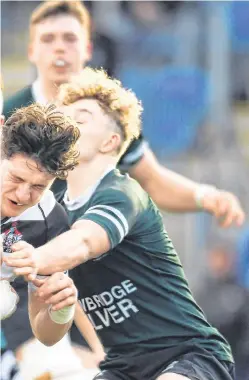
60,63
16,204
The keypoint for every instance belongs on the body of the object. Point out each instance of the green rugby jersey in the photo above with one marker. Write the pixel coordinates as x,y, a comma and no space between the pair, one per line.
136,294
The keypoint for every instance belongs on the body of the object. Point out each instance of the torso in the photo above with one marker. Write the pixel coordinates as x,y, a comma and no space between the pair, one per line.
136,294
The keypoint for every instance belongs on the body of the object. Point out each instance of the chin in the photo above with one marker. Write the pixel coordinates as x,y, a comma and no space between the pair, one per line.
13,213
61,78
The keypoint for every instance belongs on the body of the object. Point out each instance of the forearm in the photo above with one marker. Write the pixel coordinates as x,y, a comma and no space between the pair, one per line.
169,190
173,192
44,329
87,331
62,253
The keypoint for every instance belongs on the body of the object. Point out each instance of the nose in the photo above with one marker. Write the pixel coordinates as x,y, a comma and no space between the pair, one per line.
23,193
59,45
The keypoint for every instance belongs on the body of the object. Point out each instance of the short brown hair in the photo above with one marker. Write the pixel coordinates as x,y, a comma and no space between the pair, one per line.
51,8
44,134
118,102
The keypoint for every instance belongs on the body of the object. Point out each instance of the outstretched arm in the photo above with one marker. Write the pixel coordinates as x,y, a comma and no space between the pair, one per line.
97,231
66,251
176,193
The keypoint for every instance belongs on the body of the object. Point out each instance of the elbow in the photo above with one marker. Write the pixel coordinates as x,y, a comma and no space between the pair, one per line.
47,341
47,337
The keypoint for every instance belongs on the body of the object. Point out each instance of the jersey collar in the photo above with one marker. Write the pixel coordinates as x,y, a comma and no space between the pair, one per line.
80,201
37,93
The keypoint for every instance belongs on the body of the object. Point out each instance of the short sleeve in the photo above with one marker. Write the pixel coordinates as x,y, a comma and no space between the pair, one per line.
115,211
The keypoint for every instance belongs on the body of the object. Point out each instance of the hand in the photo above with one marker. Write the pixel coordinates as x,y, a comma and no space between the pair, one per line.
89,358
22,259
58,290
224,206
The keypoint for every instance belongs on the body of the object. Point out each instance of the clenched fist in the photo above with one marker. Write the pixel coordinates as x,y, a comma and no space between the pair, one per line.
224,205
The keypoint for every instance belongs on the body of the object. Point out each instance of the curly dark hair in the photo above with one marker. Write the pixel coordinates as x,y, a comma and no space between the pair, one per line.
43,134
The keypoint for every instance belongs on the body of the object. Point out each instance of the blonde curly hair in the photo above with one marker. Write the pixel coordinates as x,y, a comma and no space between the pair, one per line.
117,102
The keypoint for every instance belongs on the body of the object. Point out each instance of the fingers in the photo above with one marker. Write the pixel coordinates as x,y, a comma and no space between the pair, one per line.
67,302
54,284
60,296
20,245
230,211
37,282
225,207
58,291
29,272
22,260
23,266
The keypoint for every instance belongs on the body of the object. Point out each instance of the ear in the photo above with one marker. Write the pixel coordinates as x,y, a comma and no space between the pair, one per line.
2,120
31,54
111,144
89,51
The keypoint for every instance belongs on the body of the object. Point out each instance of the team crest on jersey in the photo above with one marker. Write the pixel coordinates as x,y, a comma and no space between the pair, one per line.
10,237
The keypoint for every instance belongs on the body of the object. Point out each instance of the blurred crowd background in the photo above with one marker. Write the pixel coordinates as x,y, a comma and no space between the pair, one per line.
189,64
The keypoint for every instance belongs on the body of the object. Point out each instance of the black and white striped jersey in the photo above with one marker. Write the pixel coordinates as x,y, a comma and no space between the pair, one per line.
36,225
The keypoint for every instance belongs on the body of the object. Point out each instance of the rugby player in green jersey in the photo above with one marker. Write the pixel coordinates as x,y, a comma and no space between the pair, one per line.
130,280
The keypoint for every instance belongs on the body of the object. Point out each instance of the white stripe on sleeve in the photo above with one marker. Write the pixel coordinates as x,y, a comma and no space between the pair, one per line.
115,211
118,225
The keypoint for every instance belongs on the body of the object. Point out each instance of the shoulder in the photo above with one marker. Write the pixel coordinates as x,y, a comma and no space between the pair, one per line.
54,214
51,208
120,188
20,99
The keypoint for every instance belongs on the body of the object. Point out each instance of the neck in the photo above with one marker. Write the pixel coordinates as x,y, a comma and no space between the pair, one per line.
49,89
86,174
3,217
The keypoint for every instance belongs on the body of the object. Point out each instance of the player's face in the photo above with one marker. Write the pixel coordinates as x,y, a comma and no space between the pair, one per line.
22,184
96,133
59,48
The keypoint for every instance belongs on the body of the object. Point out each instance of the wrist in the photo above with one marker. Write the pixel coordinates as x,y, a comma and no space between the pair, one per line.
98,349
62,316
201,192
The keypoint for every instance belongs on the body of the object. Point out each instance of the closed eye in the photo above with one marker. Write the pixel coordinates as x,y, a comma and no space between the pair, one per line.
16,179
47,38
69,37
39,187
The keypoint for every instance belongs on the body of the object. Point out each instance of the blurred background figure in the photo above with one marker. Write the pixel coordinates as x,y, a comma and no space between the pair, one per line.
242,259
226,303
